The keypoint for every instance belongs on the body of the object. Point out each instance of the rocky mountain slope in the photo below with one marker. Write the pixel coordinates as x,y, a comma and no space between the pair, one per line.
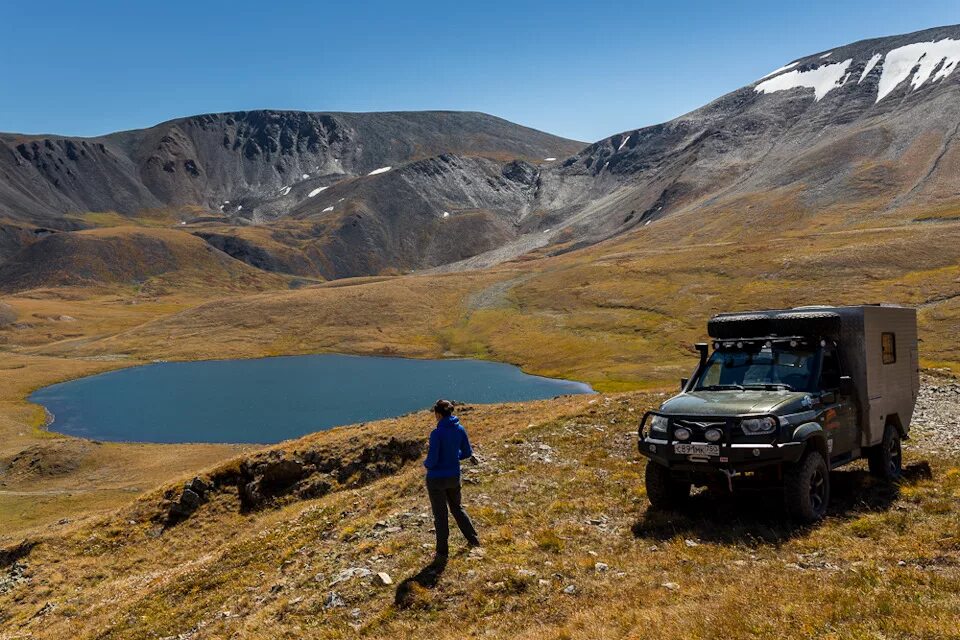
863,131
234,161
244,168
867,127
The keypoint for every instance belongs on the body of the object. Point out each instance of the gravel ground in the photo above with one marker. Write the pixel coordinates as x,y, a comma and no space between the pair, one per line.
936,419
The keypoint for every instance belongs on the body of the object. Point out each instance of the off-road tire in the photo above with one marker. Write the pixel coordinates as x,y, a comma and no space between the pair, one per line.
806,488
663,490
886,459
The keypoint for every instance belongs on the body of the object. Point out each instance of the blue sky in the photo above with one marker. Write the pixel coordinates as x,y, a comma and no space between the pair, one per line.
580,69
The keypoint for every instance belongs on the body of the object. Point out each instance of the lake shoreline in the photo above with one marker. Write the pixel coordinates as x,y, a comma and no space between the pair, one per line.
287,410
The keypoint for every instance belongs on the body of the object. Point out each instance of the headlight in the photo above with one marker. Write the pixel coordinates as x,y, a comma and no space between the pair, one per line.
658,423
757,426
713,435
681,433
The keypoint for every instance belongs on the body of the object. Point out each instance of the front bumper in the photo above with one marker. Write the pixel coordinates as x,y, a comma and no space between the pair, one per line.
733,456
737,451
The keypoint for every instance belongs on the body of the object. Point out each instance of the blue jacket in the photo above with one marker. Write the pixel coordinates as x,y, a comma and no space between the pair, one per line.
448,446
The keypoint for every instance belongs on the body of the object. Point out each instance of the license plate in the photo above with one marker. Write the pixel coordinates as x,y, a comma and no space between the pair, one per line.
697,449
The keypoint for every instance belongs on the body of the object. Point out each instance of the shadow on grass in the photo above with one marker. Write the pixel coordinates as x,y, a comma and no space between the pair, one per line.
410,592
757,516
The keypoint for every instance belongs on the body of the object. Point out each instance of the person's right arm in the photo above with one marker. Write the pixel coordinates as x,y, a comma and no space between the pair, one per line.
433,451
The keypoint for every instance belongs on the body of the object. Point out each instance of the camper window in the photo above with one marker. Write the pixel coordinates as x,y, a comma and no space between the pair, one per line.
889,344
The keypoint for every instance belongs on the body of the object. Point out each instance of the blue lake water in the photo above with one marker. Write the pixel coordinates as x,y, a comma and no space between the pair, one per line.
274,399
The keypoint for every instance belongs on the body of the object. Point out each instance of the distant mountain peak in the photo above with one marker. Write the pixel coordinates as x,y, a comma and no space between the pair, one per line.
928,59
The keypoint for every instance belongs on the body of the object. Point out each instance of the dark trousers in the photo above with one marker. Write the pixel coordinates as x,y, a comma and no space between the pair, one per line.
444,493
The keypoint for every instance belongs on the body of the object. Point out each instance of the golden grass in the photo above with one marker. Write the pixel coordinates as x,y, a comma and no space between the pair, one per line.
885,563
621,316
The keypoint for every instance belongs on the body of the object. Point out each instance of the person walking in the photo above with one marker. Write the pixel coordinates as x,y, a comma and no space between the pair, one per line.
449,445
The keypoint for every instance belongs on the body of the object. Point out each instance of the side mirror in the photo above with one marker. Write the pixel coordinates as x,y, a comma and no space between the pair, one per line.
683,383
846,386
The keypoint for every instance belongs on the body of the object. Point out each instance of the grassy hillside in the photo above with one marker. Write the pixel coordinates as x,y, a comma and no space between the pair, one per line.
158,258
571,549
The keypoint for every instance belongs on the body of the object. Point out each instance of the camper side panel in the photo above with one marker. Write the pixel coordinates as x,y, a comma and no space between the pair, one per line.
893,382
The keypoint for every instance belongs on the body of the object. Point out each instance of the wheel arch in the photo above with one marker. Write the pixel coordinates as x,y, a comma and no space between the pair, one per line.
894,419
813,437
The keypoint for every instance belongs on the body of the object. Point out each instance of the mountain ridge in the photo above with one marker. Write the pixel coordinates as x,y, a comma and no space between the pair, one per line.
866,127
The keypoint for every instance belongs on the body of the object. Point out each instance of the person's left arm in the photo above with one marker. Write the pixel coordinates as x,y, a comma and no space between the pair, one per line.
433,451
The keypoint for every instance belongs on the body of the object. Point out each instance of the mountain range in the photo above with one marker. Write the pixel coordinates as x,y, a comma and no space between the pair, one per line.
866,129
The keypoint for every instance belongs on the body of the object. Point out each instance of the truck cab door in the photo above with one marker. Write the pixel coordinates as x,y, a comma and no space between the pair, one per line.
839,417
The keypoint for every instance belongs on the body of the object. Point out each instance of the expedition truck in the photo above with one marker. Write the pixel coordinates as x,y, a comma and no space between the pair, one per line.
783,397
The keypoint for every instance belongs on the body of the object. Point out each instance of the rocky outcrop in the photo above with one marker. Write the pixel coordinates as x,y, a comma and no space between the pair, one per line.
277,476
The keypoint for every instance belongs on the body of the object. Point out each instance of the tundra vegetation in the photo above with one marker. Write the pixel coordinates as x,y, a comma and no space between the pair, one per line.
571,547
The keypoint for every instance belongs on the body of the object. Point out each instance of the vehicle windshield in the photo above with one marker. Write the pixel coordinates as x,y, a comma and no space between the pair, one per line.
759,366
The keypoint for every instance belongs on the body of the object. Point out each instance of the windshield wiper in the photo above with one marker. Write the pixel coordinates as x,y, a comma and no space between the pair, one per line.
721,387
770,385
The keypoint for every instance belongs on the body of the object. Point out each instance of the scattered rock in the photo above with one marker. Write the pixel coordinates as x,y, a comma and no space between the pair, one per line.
691,543
935,426
382,579
601,567
672,586
570,589
14,576
333,600
349,574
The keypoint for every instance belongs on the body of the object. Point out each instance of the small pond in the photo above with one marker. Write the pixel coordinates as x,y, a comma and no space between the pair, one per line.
273,399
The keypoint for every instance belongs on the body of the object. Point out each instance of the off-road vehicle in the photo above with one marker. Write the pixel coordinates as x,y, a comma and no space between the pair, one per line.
784,397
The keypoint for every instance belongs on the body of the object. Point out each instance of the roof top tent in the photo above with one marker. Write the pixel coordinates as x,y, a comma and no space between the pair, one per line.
877,346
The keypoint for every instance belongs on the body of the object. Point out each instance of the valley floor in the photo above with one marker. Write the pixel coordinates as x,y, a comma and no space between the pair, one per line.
571,550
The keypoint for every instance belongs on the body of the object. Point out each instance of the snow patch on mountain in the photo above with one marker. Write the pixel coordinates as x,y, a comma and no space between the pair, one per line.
871,63
284,191
783,68
380,170
821,79
315,192
925,57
